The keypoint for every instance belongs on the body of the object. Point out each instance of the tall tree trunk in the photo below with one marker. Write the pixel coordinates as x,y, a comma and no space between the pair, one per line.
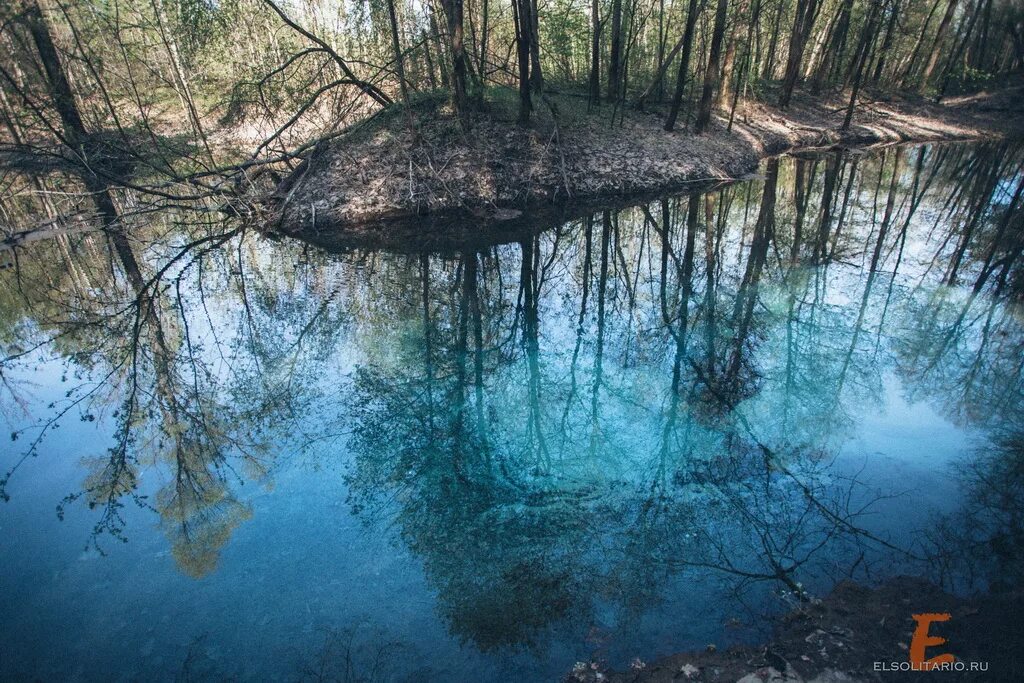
957,55
729,63
75,134
659,81
890,32
659,77
713,74
748,56
769,65
615,56
933,58
521,18
684,66
908,67
483,42
396,46
181,81
803,23
595,53
456,35
435,30
830,62
536,77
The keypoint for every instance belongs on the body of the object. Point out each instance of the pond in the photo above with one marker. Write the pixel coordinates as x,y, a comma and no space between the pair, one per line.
640,431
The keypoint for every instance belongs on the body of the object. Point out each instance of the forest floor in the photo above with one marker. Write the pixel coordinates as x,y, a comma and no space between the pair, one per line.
382,171
840,638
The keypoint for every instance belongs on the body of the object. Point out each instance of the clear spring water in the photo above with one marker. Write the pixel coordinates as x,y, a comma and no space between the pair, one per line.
636,433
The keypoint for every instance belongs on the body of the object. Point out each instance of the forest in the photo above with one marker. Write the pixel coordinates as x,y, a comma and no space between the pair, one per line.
505,340
195,101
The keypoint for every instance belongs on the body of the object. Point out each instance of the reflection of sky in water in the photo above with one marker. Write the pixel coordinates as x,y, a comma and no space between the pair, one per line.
360,489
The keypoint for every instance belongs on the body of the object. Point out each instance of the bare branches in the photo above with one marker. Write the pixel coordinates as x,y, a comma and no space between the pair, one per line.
367,88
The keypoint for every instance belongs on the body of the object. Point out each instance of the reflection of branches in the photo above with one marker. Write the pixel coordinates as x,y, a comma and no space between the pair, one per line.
172,406
351,656
982,542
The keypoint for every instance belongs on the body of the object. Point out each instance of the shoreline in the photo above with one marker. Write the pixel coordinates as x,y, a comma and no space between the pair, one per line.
382,178
855,633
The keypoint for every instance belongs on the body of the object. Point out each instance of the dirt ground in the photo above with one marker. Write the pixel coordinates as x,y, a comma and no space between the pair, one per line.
840,637
383,171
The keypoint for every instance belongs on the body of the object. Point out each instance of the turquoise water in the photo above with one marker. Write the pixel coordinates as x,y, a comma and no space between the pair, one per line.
641,431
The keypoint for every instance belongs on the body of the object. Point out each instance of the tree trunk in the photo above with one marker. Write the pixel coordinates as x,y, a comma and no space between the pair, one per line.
595,53
75,134
713,74
615,57
890,30
684,65
521,18
456,35
396,46
536,77
729,63
803,23
933,58
908,69
181,84
483,43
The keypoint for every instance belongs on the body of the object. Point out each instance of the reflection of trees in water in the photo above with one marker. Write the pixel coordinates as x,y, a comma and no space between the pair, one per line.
665,394
190,399
575,417
981,544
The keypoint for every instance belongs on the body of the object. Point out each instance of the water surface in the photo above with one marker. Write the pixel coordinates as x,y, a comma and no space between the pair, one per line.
641,431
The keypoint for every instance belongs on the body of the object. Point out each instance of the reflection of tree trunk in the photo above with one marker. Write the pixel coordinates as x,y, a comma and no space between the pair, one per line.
842,210
710,296
901,238
828,197
588,231
746,297
988,190
800,200
997,241
428,348
531,323
883,232
686,288
478,347
606,227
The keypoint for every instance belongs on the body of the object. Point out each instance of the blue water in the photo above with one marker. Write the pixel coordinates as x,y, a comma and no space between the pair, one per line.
588,443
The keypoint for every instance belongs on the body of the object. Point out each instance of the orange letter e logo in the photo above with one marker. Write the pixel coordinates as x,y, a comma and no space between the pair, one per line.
922,641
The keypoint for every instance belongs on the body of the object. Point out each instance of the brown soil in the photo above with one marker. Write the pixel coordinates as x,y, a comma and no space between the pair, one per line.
841,637
382,172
